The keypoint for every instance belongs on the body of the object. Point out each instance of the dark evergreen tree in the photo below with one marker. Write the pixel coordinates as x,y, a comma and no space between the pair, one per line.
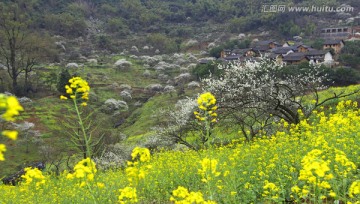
63,79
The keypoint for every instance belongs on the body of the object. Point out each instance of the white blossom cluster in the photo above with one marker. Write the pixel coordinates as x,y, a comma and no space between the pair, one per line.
264,86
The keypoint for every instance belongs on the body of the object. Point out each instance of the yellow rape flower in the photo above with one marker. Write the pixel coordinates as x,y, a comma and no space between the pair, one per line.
142,153
2,150
100,185
11,105
33,174
127,195
12,134
77,86
181,195
85,168
354,189
207,106
9,108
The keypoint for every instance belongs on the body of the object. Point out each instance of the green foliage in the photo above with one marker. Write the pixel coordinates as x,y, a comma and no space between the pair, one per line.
349,60
163,43
352,47
289,29
63,80
65,24
160,15
117,25
310,28
216,51
343,76
244,24
318,44
202,71
350,54
80,9
50,79
231,44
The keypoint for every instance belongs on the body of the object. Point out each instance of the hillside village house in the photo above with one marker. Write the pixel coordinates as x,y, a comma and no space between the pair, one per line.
335,44
288,53
294,58
248,52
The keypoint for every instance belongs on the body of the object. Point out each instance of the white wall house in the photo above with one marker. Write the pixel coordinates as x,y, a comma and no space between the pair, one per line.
328,59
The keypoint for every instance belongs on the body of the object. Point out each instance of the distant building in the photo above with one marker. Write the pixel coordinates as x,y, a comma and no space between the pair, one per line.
336,33
287,53
248,52
265,46
295,58
341,32
335,44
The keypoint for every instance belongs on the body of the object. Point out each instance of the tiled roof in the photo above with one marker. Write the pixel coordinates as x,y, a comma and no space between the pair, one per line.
282,50
332,41
296,56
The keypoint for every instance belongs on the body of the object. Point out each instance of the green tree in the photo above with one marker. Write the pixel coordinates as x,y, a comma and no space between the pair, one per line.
20,48
63,80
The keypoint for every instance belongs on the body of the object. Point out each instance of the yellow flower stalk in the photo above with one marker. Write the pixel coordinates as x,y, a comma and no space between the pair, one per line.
78,90
206,115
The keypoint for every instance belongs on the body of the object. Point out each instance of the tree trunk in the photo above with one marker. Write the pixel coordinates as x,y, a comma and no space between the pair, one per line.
14,74
26,88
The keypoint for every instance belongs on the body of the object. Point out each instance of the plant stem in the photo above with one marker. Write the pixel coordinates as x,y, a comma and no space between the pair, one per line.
88,152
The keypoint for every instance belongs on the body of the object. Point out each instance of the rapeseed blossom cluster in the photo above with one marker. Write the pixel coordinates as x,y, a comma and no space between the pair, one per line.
33,175
78,87
9,108
135,172
181,195
84,170
127,195
354,190
207,107
315,172
142,153
270,189
208,169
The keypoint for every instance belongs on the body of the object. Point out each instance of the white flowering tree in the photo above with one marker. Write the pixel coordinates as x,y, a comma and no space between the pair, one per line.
179,121
257,93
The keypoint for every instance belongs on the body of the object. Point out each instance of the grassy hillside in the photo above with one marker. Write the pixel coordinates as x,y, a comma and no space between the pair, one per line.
50,115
